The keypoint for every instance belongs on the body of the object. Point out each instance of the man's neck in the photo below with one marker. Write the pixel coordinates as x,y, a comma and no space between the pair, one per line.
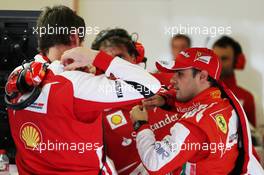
230,80
227,76
203,88
56,52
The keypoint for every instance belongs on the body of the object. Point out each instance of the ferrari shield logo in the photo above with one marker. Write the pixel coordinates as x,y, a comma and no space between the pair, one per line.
221,123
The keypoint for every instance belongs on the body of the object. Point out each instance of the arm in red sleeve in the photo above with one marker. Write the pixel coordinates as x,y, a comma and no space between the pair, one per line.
170,98
250,109
102,61
132,84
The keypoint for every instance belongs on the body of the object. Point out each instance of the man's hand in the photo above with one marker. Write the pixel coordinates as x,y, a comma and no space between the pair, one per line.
154,101
78,57
138,113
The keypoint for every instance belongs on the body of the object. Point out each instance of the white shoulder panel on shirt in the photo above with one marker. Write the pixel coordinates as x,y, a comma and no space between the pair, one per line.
99,88
41,104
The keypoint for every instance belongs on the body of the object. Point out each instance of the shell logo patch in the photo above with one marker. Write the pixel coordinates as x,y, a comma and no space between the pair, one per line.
221,123
116,119
30,135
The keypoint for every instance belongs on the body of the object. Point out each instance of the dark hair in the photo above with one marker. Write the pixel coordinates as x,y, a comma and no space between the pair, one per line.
226,41
211,80
58,17
181,36
115,37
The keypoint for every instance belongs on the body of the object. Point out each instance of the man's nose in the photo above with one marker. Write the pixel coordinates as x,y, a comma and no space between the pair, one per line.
173,79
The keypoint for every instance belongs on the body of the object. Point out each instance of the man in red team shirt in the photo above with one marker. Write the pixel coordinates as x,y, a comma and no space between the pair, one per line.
232,58
212,138
119,133
61,132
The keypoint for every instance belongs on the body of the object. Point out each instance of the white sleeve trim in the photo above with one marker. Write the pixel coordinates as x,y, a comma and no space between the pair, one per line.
131,72
100,88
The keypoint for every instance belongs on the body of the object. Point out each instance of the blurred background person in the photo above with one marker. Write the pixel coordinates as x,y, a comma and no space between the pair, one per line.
233,59
179,42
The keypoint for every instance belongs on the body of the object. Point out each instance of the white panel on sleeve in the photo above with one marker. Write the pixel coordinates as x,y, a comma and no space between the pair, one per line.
232,135
131,72
100,88
254,167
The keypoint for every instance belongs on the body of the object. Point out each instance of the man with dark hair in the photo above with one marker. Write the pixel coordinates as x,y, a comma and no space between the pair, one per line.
61,132
57,24
230,52
179,42
118,42
118,129
212,137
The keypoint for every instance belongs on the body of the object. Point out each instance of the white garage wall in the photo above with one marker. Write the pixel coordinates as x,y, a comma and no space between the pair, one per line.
31,4
150,18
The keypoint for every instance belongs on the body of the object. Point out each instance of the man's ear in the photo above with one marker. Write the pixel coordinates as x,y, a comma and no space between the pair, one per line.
204,76
75,40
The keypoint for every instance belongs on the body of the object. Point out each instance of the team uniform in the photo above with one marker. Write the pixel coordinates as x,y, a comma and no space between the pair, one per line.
120,136
212,138
68,114
210,113
244,97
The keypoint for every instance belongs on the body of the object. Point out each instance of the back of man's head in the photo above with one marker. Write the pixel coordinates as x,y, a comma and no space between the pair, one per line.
183,37
56,24
179,43
116,37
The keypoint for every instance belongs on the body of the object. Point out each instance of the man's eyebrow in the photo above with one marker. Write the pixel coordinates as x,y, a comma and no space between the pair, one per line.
177,71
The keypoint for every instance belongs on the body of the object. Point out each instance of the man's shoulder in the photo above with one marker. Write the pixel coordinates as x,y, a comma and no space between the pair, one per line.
219,106
207,111
245,93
